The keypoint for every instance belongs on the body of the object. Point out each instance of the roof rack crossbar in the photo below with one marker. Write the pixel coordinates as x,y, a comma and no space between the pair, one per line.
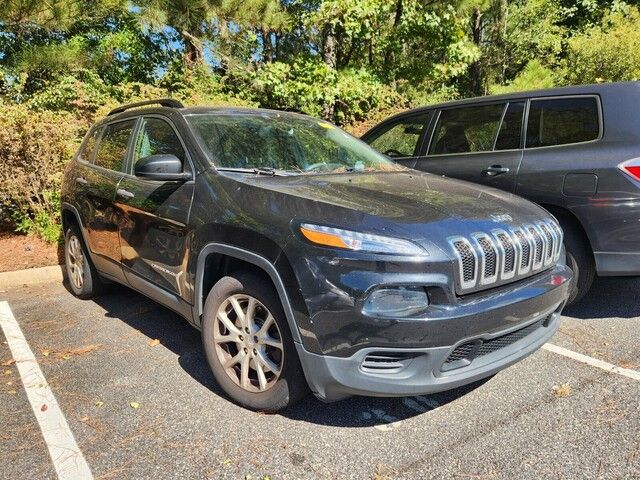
165,102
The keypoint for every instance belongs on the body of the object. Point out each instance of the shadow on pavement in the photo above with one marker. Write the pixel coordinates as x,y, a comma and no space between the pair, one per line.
155,321
609,297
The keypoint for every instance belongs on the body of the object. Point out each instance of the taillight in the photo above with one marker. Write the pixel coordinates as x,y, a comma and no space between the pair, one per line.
631,168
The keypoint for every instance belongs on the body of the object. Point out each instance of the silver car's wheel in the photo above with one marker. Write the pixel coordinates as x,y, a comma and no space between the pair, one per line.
248,343
75,262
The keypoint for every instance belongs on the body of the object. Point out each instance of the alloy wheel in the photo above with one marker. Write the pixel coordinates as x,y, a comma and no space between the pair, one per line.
248,343
75,262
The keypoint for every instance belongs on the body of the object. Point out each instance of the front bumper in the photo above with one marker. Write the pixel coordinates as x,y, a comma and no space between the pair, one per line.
429,369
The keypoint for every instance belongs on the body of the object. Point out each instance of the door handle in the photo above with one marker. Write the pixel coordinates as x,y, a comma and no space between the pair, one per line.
81,181
124,193
494,170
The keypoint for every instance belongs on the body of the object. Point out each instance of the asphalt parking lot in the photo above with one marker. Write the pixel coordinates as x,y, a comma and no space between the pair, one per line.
143,409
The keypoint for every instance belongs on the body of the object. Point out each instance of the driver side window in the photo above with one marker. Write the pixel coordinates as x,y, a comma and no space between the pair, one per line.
157,137
401,138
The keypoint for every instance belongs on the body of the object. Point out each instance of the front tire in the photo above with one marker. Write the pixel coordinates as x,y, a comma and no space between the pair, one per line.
249,346
82,275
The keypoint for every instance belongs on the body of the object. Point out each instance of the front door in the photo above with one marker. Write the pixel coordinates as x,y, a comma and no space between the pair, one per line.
478,143
153,214
100,182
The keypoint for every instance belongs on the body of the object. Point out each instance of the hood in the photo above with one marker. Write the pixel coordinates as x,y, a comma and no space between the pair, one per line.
410,200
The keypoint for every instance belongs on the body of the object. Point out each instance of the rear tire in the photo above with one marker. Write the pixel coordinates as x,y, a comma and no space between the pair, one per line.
82,275
249,346
579,260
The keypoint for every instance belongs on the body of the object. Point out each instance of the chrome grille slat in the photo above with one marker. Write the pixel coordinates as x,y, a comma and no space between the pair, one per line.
488,259
504,254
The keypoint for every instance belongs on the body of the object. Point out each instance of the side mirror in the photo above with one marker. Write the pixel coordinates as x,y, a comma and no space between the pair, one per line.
163,166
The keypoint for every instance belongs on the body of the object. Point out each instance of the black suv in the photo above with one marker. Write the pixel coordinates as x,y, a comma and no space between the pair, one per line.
573,150
307,259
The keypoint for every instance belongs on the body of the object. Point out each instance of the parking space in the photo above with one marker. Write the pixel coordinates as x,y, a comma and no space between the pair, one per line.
139,408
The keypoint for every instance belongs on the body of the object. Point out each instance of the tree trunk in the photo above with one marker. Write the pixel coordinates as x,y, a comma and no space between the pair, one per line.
388,54
192,49
330,57
475,69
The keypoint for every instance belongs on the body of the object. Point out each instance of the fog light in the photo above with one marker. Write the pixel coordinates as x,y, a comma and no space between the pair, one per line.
396,302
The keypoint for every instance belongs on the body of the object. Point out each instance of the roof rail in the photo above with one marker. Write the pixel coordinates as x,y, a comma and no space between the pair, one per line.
165,102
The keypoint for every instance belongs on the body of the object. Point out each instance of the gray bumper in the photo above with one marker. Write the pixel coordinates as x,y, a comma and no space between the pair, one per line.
334,378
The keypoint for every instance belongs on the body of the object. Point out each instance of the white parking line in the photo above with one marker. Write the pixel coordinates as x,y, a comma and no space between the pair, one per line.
594,362
65,453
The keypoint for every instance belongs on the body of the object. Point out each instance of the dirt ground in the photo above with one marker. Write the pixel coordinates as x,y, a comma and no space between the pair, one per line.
21,251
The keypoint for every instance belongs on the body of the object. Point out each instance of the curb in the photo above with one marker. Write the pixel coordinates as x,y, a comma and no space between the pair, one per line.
32,276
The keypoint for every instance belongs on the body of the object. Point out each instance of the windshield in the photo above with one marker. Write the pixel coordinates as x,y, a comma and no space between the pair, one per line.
283,142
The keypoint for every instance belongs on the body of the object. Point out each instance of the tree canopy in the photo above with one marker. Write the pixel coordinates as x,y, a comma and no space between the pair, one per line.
345,60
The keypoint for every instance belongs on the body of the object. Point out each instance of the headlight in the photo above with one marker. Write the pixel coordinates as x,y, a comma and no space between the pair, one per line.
396,302
361,242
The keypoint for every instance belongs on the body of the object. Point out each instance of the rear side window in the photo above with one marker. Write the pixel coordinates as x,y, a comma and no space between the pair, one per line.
467,129
401,138
511,128
86,152
157,137
560,121
112,149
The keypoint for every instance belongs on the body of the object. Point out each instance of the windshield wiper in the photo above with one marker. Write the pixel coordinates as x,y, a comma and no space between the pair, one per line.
255,170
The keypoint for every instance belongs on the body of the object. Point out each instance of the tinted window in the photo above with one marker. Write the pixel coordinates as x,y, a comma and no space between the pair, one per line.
560,121
157,137
86,152
511,128
400,139
467,129
112,149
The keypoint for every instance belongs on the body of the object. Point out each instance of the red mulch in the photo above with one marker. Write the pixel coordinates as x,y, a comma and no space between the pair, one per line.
21,251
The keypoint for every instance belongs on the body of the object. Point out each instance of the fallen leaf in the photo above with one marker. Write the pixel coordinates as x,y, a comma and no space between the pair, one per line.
84,419
44,407
72,352
562,391
7,372
134,405
153,343
8,362
99,403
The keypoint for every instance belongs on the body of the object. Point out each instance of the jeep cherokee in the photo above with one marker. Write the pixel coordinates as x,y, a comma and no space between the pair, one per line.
308,260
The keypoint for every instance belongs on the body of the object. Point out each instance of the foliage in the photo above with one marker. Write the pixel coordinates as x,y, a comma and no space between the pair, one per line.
34,146
605,53
532,77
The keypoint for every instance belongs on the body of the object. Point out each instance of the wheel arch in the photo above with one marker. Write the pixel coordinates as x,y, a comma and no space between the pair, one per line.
566,215
214,252
70,214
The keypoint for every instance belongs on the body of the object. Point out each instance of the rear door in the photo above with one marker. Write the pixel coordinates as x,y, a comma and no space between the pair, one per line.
561,132
479,143
100,181
401,138
153,214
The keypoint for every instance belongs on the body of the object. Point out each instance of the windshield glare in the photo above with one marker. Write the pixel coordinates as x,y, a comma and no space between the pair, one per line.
287,142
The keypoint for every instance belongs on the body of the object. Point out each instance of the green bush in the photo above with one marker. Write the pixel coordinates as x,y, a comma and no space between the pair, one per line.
606,53
34,146
533,76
